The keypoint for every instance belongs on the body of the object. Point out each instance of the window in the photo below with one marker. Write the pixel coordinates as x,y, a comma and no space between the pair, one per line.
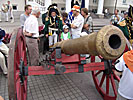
124,1
94,1
15,7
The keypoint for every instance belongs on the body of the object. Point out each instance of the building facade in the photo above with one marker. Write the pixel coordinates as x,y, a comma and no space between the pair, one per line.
121,5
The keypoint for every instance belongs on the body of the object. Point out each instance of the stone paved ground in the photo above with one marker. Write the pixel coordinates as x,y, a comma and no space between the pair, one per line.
57,87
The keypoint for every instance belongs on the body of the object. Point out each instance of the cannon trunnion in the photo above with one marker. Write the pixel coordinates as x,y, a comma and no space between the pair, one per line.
67,57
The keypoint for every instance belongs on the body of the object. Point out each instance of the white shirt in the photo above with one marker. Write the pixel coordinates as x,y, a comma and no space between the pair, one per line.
78,22
65,35
126,82
31,26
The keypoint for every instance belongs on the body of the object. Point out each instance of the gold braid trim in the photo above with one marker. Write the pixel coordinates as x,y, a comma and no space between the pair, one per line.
131,12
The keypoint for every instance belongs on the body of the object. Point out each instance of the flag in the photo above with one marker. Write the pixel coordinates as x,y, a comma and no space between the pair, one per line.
83,4
72,3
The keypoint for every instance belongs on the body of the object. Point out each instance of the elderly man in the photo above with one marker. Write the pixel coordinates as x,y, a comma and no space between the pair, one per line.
31,32
26,14
77,24
3,52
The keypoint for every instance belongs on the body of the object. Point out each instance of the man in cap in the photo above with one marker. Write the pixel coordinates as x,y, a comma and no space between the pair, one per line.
53,25
125,65
129,23
78,22
3,53
31,32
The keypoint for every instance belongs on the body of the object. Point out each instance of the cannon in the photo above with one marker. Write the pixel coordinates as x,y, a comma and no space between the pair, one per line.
67,57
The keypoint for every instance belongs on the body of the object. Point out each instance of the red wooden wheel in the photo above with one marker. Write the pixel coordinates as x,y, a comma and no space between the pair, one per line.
17,62
104,81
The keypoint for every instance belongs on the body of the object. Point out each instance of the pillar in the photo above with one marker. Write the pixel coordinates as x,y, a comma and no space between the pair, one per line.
87,4
100,7
68,6
47,3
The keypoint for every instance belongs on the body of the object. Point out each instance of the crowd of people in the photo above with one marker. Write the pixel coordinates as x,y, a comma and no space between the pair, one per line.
7,11
64,26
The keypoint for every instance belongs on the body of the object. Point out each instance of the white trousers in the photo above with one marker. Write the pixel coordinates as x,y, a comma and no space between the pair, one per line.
53,39
11,14
5,16
3,52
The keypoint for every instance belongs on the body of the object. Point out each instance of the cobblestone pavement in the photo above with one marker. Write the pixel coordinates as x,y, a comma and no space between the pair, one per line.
57,87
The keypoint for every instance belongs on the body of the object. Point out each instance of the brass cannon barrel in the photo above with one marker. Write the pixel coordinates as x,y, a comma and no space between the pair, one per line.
109,42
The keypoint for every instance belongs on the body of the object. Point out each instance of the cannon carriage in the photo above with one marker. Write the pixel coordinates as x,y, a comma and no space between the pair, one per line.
66,57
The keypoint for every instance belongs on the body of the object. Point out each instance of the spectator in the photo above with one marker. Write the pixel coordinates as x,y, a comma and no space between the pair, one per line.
125,66
3,53
77,24
4,9
115,19
26,14
125,14
65,20
10,11
31,32
70,16
106,13
87,21
66,34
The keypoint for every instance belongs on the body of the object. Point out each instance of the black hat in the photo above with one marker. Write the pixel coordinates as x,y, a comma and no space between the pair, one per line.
54,4
130,11
2,33
53,9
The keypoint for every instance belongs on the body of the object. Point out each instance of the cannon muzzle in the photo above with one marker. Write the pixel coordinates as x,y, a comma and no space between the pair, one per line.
109,42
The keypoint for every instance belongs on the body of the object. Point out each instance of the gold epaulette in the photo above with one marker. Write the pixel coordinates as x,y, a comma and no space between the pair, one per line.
60,17
47,18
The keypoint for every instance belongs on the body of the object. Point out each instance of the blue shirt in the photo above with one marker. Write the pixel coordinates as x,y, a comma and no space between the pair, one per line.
1,41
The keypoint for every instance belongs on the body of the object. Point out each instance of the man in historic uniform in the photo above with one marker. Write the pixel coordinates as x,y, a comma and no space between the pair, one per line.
129,23
46,41
53,25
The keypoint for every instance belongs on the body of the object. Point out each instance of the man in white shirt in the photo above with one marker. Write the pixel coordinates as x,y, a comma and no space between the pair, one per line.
26,14
77,24
125,65
115,19
31,32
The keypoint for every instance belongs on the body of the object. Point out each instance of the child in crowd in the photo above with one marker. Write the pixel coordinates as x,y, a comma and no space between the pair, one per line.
66,34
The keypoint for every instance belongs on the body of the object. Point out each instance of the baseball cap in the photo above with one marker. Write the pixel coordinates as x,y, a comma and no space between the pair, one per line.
76,7
65,27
